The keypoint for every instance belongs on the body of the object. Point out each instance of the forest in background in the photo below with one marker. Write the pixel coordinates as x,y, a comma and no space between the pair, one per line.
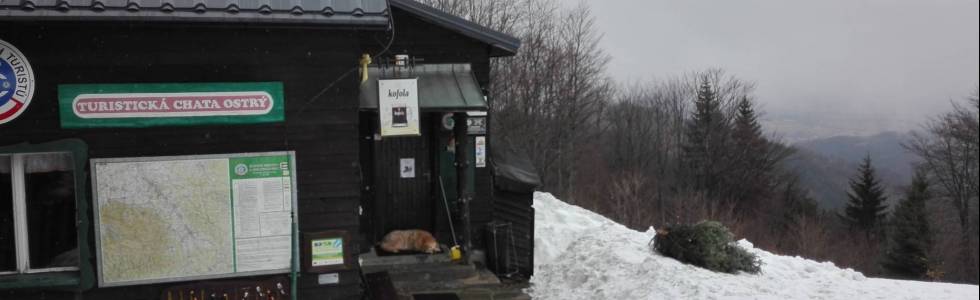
689,147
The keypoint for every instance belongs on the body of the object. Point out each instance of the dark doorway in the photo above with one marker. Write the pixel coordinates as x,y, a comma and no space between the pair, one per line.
403,180
391,202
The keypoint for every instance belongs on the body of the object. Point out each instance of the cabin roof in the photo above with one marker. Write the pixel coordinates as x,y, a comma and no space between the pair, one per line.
356,13
338,12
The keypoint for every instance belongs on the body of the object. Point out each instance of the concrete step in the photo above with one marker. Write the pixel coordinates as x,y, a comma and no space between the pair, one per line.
484,294
431,273
482,279
503,291
372,261
436,273
397,268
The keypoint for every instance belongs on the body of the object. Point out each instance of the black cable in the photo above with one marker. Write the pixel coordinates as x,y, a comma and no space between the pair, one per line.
391,26
325,89
391,39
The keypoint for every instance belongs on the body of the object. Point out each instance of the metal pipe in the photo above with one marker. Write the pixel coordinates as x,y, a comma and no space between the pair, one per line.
462,182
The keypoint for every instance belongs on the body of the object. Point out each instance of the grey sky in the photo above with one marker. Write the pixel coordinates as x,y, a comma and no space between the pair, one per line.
827,66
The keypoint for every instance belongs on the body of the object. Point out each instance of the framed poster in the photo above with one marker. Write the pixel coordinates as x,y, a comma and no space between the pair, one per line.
398,106
327,251
178,218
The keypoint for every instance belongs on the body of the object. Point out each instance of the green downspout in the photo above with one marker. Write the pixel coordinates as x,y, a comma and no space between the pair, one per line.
294,274
462,190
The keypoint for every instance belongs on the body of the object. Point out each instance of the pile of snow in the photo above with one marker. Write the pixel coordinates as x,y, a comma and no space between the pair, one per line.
582,255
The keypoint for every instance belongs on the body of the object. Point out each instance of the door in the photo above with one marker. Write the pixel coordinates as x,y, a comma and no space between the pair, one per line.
403,172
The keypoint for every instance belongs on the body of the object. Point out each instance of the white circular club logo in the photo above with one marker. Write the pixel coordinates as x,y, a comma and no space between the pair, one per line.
241,169
16,82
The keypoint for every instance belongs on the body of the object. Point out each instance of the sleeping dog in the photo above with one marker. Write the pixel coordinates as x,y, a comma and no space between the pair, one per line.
409,240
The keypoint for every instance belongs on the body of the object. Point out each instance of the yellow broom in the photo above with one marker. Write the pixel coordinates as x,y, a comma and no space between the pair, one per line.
454,252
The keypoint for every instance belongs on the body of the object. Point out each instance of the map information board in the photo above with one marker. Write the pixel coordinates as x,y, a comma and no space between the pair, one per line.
164,219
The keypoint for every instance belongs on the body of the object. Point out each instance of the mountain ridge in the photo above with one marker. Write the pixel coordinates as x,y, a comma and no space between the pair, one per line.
825,165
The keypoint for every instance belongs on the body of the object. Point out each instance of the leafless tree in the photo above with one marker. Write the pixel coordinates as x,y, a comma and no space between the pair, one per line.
628,195
949,151
547,99
500,15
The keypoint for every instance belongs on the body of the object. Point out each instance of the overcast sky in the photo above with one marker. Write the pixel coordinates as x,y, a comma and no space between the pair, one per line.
850,66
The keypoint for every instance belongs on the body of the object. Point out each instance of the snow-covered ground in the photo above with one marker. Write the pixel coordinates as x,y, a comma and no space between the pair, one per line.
582,255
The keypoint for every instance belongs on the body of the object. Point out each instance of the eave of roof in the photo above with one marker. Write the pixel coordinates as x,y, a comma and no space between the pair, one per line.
502,43
361,13
336,12
441,87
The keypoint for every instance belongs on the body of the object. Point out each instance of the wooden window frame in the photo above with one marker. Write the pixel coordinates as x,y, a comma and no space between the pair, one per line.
22,248
80,277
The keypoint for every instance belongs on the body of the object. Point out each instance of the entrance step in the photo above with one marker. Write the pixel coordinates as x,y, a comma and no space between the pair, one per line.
435,274
372,259
420,284
503,291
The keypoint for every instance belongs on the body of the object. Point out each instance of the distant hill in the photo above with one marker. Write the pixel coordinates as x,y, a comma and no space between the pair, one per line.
825,165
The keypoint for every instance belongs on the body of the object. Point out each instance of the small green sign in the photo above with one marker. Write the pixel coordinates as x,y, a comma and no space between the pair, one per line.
327,252
169,104
259,167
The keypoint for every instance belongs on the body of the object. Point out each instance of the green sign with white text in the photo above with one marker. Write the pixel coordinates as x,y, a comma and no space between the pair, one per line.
169,104
259,167
327,252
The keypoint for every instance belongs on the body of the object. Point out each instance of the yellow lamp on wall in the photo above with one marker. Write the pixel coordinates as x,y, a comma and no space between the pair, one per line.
364,62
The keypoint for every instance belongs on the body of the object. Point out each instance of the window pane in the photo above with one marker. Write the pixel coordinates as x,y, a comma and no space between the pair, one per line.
8,256
49,187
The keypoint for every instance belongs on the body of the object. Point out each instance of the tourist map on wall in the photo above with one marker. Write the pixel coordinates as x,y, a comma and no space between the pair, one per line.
162,219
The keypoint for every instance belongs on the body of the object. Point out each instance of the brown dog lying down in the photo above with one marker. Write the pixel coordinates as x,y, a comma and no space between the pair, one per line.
410,240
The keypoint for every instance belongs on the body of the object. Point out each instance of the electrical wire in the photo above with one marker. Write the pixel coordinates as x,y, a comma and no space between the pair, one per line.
391,27
391,39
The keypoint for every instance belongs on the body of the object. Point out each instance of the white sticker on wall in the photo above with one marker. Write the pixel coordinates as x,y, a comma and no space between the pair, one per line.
407,167
481,152
328,278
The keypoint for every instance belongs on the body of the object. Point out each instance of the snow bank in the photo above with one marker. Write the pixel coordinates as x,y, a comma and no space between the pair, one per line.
582,255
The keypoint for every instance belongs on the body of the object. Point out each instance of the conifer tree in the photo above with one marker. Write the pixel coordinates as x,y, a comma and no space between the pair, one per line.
866,201
747,129
750,157
907,255
707,132
796,204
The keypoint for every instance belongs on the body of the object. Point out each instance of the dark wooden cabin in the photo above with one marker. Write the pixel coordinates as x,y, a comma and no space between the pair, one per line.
346,175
